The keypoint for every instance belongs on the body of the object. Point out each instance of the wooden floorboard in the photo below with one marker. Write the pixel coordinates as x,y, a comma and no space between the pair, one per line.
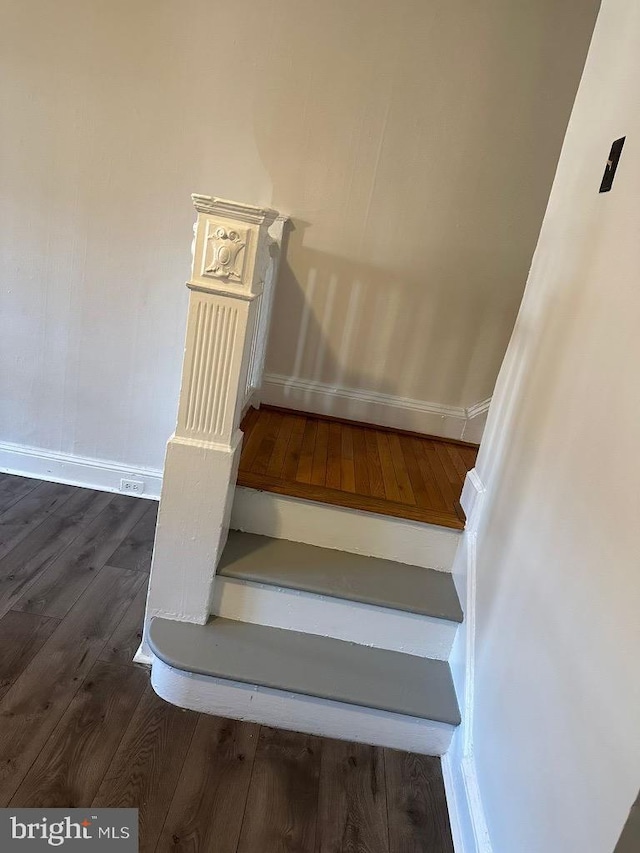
282,804
21,636
279,453
80,724
334,455
294,447
34,704
416,804
359,466
12,489
208,806
352,813
72,764
305,461
347,461
56,591
127,635
145,770
136,549
27,561
26,514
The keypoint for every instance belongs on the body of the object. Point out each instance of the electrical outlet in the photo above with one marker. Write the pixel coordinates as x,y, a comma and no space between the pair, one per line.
132,487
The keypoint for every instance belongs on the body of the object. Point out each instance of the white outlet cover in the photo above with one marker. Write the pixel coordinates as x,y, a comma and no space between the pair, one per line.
135,487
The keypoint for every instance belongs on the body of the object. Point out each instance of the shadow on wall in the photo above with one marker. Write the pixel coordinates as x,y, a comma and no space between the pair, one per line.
415,151
353,325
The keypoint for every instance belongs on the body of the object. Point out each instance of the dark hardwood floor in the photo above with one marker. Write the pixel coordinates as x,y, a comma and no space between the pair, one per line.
80,724
359,466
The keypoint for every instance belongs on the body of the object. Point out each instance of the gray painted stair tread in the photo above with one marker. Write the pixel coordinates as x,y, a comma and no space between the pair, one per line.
310,665
323,571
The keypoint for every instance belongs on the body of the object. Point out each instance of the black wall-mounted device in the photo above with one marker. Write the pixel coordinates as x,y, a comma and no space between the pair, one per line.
612,165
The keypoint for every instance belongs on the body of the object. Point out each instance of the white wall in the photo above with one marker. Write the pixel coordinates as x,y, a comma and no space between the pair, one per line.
412,142
556,721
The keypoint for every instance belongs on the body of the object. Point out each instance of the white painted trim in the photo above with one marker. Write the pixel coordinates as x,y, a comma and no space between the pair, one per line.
143,656
466,812
101,474
466,815
337,392
470,644
473,491
192,528
297,712
476,421
367,533
370,406
468,822
263,320
326,616
232,209
459,832
478,408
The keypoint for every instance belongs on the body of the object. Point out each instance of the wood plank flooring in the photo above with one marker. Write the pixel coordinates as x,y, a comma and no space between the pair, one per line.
359,466
80,724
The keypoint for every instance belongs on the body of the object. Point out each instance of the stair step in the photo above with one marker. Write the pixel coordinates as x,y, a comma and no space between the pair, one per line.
372,446
339,574
309,665
344,529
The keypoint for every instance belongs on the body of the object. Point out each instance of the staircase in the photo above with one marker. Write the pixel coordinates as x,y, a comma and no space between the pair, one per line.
308,583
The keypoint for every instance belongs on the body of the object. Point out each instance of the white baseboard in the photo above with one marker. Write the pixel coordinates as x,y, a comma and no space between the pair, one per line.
294,711
466,815
372,407
100,474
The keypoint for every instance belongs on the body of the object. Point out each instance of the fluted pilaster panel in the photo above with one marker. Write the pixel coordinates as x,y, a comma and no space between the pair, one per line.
210,382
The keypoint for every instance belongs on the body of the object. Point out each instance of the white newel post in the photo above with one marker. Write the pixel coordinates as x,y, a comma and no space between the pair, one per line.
236,250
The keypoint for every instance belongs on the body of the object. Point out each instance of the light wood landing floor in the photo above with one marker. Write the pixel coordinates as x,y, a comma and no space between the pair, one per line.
80,724
355,465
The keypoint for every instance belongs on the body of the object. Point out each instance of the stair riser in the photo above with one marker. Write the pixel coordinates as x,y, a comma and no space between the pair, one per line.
366,624
344,529
293,711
